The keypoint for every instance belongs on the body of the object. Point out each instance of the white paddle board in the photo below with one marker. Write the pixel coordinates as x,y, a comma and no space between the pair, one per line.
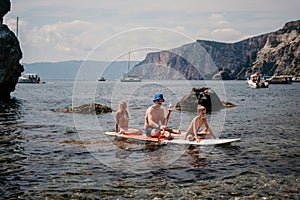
177,139
203,142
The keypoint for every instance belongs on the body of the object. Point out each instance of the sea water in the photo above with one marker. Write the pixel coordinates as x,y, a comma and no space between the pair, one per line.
46,154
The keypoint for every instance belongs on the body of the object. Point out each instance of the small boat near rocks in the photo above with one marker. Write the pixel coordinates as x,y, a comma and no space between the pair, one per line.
29,78
257,81
296,79
280,79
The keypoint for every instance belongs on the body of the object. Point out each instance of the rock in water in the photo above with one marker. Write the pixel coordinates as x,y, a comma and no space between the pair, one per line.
88,109
203,96
10,56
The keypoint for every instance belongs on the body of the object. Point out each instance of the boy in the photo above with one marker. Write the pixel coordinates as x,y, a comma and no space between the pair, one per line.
192,132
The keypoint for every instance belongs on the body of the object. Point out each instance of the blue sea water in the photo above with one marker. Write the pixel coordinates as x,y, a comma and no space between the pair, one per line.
46,154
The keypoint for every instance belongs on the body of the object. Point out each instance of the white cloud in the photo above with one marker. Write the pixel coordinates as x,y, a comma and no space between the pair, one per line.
63,30
221,35
216,17
226,34
218,20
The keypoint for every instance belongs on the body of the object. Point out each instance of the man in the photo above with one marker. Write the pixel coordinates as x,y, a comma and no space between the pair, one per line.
154,119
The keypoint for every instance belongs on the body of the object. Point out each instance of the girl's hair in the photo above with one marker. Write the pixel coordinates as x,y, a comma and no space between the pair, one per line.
121,103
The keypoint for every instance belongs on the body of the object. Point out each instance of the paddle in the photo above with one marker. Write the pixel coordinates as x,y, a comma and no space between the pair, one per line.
166,121
117,128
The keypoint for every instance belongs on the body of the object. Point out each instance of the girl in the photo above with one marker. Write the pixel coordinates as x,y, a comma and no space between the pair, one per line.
122,120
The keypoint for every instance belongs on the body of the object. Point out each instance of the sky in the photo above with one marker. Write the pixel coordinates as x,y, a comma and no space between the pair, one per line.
107,30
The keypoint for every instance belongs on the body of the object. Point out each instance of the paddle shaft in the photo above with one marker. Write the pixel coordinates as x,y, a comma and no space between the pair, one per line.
166,121
167,118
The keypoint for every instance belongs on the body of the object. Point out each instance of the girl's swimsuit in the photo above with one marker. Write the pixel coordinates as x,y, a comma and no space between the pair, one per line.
123,117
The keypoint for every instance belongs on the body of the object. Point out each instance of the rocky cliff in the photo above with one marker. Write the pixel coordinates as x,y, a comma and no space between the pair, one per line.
281,52
165,65
10,56
276,52
4,9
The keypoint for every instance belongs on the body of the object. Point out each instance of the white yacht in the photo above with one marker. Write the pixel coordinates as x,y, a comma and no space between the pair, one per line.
130,78
29,78
257,81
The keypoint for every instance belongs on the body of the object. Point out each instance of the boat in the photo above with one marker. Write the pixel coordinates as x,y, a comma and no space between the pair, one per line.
178,139
257,81
130,78
296,79
29,78
127,78
283,79
101,79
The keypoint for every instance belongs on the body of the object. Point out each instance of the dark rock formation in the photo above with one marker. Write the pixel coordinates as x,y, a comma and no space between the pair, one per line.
10,56
88,109
276,52
4,9
201,95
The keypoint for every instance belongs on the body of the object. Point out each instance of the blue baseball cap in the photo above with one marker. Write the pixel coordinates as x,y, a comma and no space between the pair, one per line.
158,97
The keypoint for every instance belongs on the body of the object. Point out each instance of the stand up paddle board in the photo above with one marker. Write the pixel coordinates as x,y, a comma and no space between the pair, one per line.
203,142
177,139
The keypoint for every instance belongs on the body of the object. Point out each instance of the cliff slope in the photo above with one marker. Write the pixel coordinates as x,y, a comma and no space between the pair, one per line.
281,53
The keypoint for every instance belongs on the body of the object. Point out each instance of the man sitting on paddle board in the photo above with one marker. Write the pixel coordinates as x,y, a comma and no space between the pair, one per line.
155,118
192,132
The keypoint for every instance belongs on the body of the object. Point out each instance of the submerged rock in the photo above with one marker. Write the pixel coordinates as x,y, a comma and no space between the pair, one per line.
203,96
88,109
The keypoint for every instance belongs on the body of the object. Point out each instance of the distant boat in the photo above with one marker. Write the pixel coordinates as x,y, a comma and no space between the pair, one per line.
280,79
101,79
256,81
130,78
29,78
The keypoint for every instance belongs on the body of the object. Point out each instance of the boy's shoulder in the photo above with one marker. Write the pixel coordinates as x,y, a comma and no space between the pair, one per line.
195,119
199,118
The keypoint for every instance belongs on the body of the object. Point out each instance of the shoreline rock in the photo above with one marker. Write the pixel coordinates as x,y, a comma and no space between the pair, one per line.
4,9
10,56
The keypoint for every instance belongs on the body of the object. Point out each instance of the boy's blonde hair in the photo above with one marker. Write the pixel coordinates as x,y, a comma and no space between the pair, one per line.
200,107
